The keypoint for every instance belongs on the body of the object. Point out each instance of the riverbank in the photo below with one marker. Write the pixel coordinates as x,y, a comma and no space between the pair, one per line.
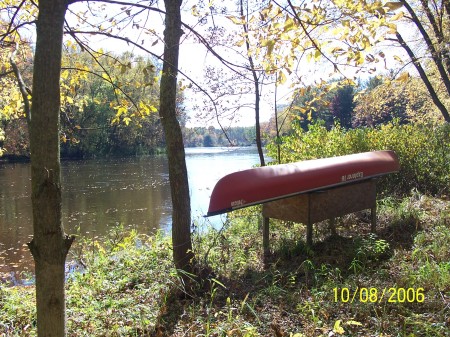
101,194
393,284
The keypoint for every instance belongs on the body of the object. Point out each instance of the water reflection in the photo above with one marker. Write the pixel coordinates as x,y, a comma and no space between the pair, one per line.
100,194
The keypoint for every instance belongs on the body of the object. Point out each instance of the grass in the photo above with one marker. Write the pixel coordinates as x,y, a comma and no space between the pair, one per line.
128,285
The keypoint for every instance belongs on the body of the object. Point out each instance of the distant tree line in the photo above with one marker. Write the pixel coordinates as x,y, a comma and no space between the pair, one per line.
95,120
375,101
210,136
87,130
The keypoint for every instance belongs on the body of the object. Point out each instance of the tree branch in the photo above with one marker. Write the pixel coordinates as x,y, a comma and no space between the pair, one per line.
431,48
127,40
313,42
6,73
424,78
4,35
24,90
11,21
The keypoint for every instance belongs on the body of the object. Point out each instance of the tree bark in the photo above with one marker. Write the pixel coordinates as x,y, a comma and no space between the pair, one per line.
49,245
179,186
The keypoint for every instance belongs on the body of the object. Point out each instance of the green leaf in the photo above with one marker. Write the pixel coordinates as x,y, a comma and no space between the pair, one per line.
289,24
121,110
317,55
218,282
398,16
270,44
353,323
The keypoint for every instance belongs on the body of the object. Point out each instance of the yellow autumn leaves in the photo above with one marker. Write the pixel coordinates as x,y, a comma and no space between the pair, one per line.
342,32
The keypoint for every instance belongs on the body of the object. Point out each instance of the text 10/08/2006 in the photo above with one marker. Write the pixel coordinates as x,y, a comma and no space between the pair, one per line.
375,295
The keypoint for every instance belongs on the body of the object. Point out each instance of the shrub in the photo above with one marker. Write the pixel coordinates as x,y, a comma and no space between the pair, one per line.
423,150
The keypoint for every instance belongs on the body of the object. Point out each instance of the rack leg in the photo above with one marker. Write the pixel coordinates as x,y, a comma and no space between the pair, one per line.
309,233
332,226
266,243
373,218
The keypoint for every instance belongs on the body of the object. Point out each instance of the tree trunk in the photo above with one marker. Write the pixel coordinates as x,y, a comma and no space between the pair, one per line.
179,186
49,245
439,27
257,94
435,54
424,78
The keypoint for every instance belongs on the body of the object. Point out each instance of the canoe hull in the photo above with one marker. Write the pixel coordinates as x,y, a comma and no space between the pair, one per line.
264,184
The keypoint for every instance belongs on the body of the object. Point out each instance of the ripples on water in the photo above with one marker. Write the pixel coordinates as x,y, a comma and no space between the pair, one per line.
102,194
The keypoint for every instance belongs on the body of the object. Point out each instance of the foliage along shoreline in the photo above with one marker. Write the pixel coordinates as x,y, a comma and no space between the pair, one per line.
193,137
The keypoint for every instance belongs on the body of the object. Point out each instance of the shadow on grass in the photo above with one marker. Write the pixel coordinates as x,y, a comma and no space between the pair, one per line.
170,313
293,265
291,258
400,234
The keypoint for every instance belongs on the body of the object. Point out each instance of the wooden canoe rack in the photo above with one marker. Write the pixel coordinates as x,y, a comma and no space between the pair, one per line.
312,207
308,191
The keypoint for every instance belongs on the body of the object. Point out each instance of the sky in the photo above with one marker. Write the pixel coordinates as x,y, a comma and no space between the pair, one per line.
194,60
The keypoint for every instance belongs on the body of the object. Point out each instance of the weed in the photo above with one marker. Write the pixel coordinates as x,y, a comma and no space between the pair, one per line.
369,250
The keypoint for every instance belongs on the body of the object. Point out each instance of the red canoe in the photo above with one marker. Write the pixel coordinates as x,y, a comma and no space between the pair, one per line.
263,184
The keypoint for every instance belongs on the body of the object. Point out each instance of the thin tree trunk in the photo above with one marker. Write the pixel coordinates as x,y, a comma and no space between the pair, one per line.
21,84
277,130
424,78
179,186
49,245
256,90
438,29
435,55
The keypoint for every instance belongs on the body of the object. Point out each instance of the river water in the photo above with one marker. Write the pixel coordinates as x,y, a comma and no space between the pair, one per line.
101,194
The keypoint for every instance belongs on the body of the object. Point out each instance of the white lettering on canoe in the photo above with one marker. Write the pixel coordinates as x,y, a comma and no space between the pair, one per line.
352,176
237,203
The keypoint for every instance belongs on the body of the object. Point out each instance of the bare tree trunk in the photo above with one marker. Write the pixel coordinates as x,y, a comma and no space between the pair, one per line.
424,78
257,95
436,56
277,130
49,245
439,27
179,186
